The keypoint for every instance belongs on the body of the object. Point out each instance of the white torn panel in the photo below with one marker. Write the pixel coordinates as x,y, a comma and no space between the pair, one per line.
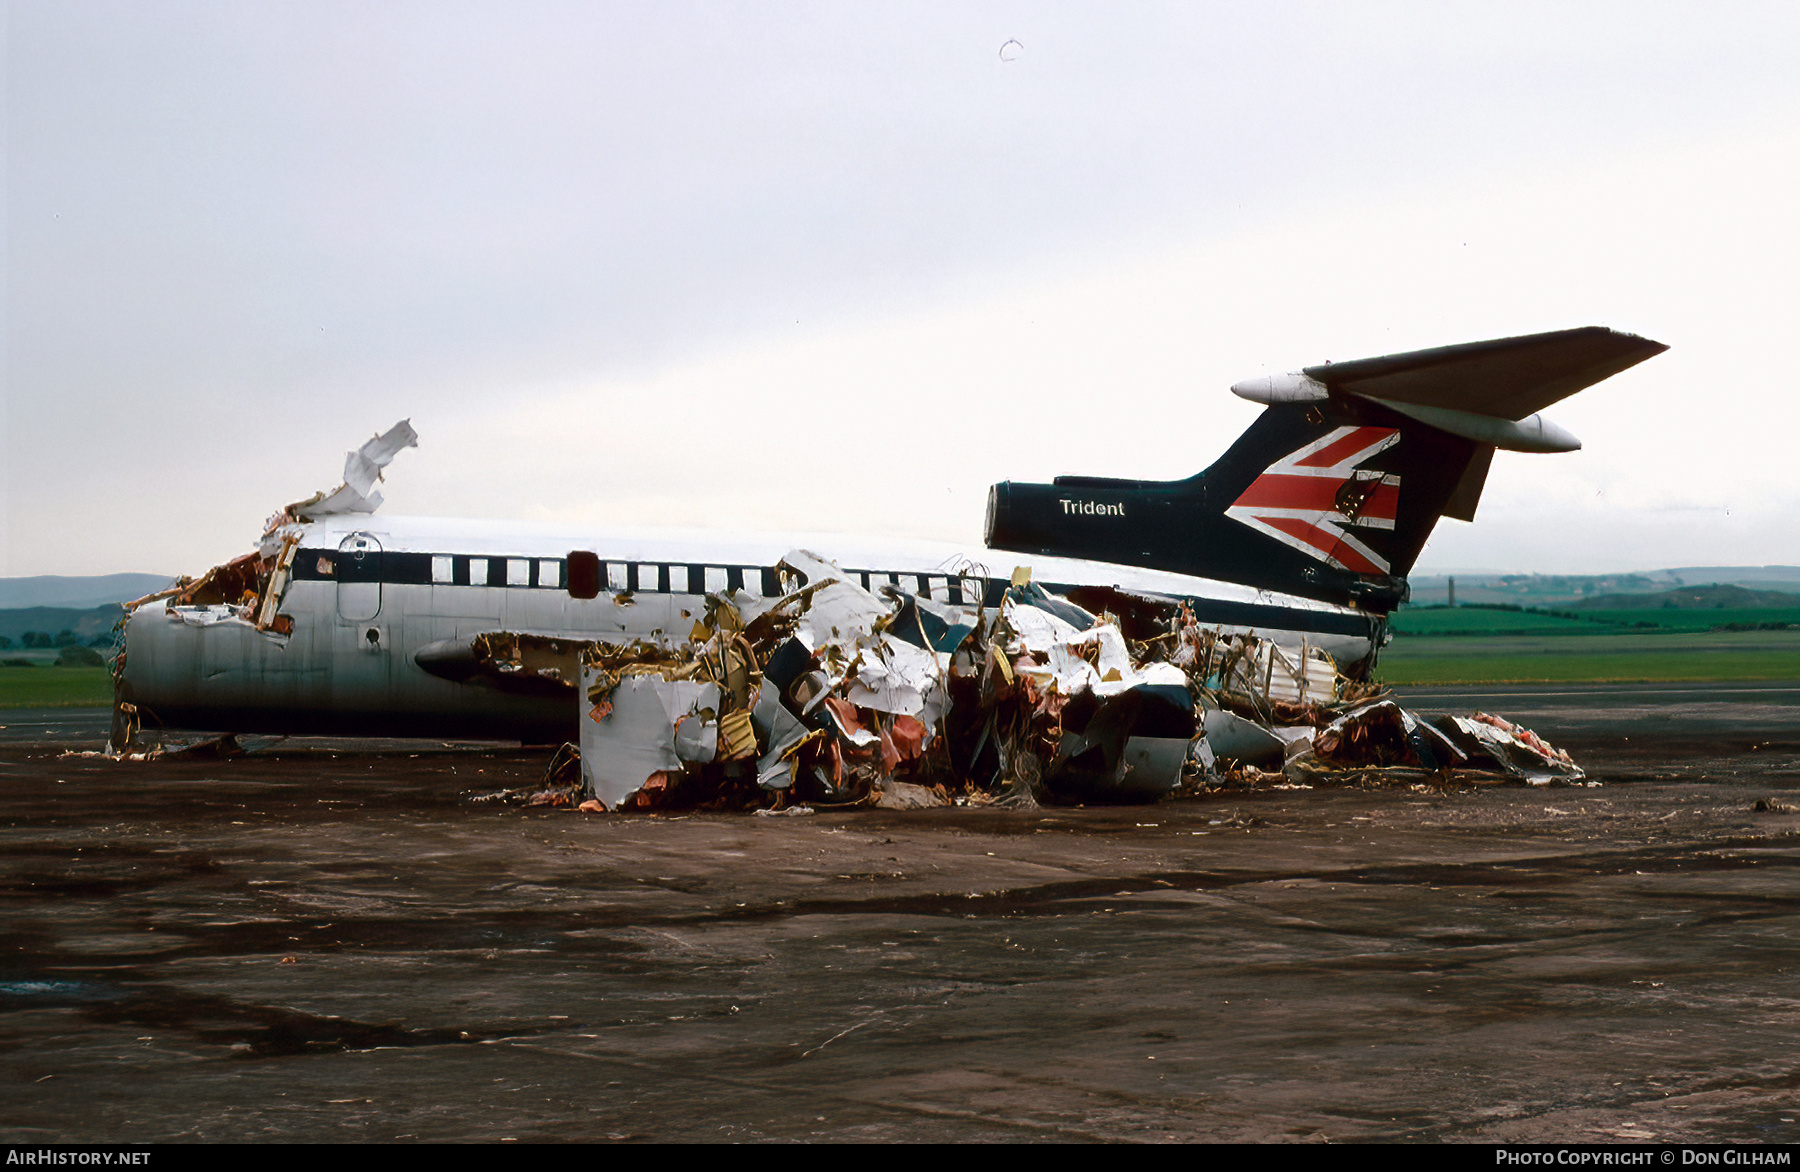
697,732
340,500
837,611
362,468
1097,659
648,725
898,677
1038,629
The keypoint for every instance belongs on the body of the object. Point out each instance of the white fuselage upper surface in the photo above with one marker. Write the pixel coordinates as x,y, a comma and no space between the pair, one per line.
368,592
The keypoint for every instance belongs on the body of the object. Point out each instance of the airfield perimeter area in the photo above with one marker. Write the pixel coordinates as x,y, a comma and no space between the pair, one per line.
324,943
1468,646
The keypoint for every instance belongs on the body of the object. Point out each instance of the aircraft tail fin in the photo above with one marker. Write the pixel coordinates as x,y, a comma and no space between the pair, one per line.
1334,489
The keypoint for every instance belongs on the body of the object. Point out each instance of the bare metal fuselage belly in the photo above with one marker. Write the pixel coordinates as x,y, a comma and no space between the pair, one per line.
348,666
331,676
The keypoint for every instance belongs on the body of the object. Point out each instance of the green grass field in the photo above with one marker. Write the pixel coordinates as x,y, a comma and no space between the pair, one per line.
1496,659
1471,620
55,687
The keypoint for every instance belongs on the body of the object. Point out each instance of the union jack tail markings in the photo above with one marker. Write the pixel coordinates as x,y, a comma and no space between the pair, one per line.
1311,498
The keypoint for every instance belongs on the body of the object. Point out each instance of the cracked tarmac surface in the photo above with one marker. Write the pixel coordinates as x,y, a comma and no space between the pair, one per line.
322,942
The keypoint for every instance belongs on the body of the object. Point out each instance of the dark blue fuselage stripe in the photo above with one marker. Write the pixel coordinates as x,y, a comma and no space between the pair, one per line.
414,569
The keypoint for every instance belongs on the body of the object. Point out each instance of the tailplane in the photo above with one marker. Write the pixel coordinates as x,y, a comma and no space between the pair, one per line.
1334,489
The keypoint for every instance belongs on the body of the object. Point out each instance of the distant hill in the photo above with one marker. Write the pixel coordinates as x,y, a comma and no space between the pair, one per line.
1718,596
1778,577
1566,590
78,593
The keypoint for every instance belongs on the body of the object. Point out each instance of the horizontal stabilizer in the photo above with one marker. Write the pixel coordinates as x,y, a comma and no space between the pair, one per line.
1336,486
1508,378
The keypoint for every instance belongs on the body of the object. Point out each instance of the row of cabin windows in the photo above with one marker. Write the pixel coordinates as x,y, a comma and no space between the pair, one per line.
456,570
588,576
584,575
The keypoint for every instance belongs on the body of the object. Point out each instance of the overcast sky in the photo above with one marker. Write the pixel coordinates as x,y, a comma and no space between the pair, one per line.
838,266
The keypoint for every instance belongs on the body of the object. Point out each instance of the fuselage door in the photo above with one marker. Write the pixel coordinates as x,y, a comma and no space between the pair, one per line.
359,578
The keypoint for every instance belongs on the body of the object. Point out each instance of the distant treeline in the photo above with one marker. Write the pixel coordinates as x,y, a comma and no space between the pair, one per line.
1510,607
58,626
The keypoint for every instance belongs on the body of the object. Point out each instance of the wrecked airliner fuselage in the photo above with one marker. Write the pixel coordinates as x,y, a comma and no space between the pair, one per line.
374,626
1299,538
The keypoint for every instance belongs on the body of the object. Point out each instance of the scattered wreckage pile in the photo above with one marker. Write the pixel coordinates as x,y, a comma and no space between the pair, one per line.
831,694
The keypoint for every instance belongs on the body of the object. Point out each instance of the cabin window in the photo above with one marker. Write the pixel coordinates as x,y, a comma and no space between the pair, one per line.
549,574
716,579
938,588
618,577
443,569
478,572
649,577
584,574
518,571
679,580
